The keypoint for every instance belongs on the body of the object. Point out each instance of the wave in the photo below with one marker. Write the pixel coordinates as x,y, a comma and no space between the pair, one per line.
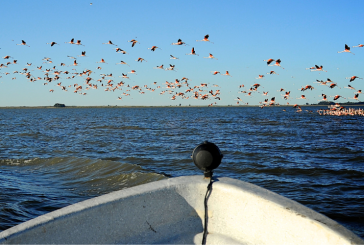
88,176
32,187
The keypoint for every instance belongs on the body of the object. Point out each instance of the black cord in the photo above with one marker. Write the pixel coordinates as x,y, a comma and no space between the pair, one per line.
208,193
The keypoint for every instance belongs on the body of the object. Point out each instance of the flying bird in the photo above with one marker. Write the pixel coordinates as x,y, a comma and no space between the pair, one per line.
353,78
269,61
110,43
53,43
23,43
133,42
179,42
192,52
346,50
205,39
210,57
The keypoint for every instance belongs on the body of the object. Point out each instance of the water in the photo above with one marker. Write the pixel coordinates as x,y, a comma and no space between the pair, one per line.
50,158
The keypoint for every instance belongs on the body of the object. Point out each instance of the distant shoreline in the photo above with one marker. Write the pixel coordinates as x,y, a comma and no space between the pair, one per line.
170,106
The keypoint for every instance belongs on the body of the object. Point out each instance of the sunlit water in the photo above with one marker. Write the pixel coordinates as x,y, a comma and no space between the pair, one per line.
50,158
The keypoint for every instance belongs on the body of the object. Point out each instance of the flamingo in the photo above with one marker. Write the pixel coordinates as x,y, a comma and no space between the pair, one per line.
124,76
286,95
272,101
226,74
353,78
23,43
71,42
336,97
170,68
269,61
173,58
140,60
133,42
179,42
359,46
110,43
350,87
192,52
346,50
79,43
355,97
122,63
159,67
53,43
215,72
318,68
278,63
324,97
272,72
205,39
311,68
210,57
119,50
153,48
83,54
102,61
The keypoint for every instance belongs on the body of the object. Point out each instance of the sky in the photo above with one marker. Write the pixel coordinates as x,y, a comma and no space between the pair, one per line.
242,35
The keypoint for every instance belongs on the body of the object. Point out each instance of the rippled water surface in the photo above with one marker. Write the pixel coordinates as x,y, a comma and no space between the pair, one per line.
50,158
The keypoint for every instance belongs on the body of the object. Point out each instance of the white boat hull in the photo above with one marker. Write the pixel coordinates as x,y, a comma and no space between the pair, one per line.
172,211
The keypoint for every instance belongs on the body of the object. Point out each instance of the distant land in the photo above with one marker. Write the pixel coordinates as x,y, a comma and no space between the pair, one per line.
333,103
60,105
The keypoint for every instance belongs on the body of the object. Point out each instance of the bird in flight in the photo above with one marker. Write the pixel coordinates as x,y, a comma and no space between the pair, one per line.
359,46
269,61
205,39
110,43
53,43
79,43
23,43
356,96
71,42
346,50
153,48
318,68
193,52
210,57
278,63
353,78
119,50
133,42
122,63
140,60
179,42
83,54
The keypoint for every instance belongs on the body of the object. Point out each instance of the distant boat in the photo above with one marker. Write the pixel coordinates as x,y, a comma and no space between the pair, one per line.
172,211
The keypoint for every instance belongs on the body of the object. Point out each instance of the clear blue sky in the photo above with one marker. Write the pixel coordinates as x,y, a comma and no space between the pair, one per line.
242,33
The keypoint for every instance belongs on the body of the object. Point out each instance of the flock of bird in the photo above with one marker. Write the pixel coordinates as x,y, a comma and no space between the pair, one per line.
180,88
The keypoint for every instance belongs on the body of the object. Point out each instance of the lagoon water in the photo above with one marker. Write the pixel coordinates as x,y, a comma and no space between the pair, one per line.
51,158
